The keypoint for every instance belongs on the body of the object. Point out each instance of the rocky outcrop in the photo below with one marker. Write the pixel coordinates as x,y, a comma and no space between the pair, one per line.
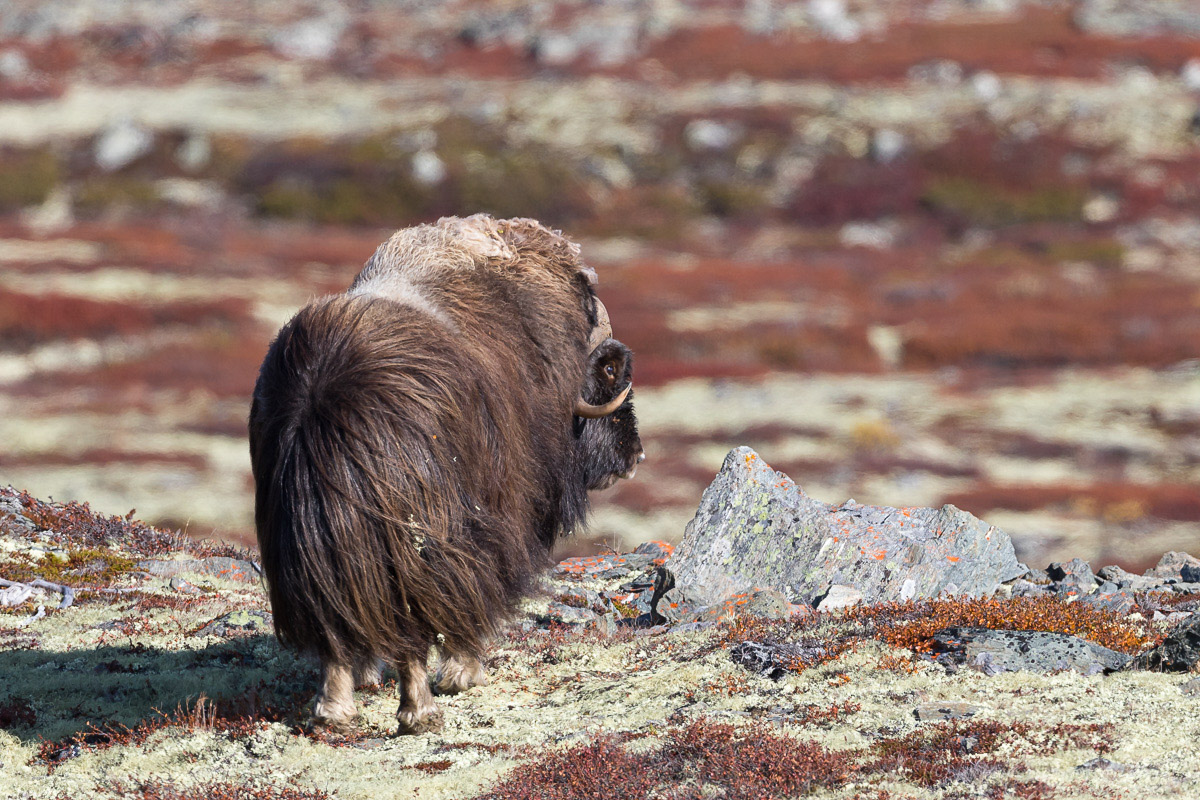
755,527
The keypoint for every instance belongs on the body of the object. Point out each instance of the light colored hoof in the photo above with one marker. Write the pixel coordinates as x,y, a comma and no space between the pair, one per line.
411,724
333,717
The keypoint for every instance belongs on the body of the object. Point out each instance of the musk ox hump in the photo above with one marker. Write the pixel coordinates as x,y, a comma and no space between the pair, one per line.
423,253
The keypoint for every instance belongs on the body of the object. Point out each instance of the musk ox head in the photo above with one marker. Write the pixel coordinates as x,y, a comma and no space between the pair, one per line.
611,447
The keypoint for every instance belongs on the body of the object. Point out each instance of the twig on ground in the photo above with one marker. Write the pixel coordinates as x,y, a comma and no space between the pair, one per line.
41,612
18,592
68,594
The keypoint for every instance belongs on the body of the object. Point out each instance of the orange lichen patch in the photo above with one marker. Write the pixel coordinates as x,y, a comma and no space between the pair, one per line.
667,548
912,625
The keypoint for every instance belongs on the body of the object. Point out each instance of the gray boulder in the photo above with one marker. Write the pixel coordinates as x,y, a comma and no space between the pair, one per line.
993,652
756,528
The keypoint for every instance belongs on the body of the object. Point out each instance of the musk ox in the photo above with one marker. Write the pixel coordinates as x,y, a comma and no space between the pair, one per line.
421,440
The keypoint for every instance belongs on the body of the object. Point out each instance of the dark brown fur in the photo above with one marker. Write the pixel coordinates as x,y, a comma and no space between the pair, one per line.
413,446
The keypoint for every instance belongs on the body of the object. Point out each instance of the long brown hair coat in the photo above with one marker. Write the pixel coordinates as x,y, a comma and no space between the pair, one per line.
412,440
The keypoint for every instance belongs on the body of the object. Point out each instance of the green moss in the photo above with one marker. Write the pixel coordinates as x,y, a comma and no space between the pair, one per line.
101,193
730,198
96,565
287,199
1101,252
26,179
986,204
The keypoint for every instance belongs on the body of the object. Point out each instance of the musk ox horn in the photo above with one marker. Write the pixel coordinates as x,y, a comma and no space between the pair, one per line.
588,411
603,329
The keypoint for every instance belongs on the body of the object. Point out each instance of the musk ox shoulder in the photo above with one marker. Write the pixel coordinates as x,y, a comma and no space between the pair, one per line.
419,442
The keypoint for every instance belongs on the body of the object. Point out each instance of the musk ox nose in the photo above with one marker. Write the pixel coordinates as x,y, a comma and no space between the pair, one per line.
629,473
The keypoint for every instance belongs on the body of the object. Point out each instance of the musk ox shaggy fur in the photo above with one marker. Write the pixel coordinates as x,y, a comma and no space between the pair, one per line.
421,440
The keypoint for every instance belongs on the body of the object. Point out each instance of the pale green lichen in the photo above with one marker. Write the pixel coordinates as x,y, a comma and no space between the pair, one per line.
542,694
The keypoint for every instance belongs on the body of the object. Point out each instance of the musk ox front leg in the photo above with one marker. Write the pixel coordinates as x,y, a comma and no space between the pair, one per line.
458,672
418,713
335,704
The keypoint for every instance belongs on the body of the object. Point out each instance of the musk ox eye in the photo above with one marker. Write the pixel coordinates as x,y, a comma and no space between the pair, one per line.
610,370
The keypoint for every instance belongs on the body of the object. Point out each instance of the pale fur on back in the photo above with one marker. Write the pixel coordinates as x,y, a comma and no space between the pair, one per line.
412,259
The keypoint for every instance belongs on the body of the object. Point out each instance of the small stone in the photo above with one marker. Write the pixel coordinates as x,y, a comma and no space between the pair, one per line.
1189,573
1171,565
1023,588
604,624
120,144
195,153
238,622
1191,688
1127,580
1190,75
933,711
428,168
1038,576
180,585
986,85
709,134
1076,569
658,550
312,39
1179,651
675,604
13,65
1104,764
840,596
1119,601
887,145
570,615
613,565
556,49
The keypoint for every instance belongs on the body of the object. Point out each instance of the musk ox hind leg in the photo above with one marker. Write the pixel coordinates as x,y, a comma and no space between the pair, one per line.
418,713
368,672
335,704
458,672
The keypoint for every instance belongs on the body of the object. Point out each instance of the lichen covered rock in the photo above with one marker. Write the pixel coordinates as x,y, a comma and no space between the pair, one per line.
756,527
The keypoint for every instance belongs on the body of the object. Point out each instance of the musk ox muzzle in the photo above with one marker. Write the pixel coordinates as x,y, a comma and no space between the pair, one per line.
421,440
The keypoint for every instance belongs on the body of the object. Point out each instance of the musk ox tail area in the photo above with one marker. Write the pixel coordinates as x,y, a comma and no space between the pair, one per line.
364,414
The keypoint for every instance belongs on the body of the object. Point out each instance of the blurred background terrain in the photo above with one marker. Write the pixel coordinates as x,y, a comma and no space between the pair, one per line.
913,252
